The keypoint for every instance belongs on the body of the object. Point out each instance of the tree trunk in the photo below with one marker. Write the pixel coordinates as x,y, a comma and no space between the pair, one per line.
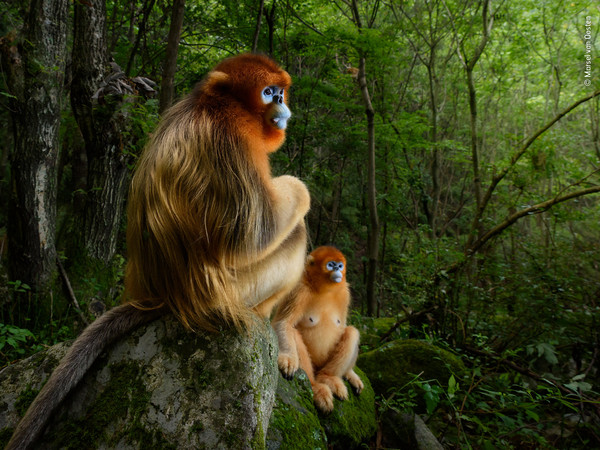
258,24
34,71
168,75
373,240
101,122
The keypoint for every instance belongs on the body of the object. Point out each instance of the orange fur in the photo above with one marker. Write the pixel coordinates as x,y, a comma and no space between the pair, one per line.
207,224
312,332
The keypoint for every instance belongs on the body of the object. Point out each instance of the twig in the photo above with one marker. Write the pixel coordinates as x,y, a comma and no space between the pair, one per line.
530,373
405,319
65,278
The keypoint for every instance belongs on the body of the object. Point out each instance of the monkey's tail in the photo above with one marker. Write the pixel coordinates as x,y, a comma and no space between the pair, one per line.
82,354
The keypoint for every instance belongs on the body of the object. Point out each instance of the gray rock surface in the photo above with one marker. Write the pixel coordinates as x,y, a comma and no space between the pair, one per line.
161,387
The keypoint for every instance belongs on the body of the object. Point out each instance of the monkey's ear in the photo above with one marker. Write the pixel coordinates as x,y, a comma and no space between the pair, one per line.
310,260
217,80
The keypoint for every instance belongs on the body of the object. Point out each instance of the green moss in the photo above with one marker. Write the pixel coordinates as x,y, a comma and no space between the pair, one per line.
372,330
24,399
197,427
258,443
124,398
294,422
352,421
5,435
394,365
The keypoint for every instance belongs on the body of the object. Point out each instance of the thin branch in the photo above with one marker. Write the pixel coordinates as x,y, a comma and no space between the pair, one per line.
295,14
500,176
535,209
65,278
532,374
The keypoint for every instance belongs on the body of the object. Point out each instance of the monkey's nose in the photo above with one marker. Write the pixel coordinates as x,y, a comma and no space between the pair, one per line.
278,99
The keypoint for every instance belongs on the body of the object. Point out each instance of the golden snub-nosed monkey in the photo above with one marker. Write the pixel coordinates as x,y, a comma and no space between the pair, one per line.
212,237
312,331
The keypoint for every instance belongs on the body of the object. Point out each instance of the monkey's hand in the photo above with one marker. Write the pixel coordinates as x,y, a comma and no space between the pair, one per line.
288,364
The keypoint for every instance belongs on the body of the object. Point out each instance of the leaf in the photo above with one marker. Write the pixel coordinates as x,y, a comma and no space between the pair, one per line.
431,402
452,386
532,414
548,352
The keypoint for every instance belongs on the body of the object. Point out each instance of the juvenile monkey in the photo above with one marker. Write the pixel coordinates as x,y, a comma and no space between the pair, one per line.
312,332
211,237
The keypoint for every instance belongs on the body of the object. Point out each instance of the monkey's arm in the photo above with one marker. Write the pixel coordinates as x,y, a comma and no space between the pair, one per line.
278,267
290,203
82,354
286,318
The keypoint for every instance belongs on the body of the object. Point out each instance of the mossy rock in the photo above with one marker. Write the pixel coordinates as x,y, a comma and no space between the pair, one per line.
394,365
372,330
352,421
297,425
160,387
294,422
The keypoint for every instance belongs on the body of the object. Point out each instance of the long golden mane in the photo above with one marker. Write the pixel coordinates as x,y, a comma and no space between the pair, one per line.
196,201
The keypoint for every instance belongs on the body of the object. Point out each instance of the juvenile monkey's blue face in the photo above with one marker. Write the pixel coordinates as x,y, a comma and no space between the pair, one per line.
279,113
336,271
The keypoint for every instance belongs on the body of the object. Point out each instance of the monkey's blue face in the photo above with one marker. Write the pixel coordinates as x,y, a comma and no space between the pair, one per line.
279,113
336,271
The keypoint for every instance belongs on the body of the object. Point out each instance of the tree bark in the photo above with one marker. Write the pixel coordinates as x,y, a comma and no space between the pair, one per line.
34,71
373,240
258,25
170,66
101,122
469,66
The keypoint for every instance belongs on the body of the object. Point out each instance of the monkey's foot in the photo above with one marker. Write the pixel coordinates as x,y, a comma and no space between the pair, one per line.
323,397
288,364
354,381
336,384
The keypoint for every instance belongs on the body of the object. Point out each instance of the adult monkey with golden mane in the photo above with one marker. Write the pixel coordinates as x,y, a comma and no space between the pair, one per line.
212,237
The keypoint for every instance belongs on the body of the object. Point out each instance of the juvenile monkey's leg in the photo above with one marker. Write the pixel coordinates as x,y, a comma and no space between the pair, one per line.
342,360
354,381
304,357
322,395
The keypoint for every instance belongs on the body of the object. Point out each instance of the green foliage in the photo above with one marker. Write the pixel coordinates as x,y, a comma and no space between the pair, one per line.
14,342
530,295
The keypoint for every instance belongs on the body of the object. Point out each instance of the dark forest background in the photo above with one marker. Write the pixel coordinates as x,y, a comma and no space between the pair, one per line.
451,148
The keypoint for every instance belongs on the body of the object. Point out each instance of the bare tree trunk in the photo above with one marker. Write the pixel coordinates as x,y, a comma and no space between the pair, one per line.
101,122
258,24
469,65
168,75
373,240
270,17
34,70
147,9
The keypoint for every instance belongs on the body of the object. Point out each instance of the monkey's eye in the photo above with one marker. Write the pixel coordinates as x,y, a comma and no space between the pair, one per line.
341,266
272,94
331,265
